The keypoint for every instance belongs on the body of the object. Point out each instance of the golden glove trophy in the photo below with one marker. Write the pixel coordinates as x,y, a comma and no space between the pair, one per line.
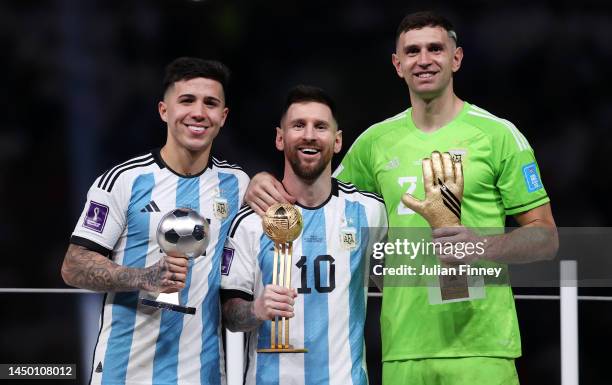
282,223
443,181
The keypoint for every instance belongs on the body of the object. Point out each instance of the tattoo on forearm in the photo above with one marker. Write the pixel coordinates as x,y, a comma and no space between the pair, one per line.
238,315
89,270
153,275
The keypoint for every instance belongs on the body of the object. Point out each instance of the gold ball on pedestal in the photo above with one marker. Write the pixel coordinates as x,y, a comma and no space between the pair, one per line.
282,222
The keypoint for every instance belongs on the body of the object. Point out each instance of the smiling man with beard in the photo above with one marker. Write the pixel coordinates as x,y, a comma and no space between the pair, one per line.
328,309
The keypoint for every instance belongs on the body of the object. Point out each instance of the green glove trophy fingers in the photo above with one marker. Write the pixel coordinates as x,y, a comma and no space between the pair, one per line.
443,182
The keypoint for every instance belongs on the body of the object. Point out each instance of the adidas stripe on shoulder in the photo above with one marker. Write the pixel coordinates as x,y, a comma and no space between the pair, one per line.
244,212
224,164
108,179
349,188
375,126
519,138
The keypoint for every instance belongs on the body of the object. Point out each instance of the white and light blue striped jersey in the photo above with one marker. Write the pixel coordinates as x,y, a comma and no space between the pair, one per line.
139,344
329,271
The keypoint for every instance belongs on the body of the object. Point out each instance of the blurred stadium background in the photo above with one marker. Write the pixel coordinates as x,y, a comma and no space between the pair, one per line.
82,80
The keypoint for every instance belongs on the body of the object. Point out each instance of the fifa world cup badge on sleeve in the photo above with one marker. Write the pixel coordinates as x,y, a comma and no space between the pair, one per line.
532,179
283,224
95,219
185,231
226,260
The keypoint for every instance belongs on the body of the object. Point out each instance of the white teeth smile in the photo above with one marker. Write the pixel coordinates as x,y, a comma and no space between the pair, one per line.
196,129
424,75
309,151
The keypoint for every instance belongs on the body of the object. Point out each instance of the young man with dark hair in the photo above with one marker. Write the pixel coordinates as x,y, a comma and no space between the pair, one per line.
427,341
113,248
329,270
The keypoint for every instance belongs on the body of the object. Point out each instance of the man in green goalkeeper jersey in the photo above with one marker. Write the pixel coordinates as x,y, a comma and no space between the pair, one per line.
465,342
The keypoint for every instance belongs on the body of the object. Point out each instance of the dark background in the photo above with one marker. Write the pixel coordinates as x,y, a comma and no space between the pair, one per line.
81,81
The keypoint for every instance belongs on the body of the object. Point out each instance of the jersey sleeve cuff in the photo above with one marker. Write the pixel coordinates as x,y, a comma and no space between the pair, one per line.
527,206
90,245
227,294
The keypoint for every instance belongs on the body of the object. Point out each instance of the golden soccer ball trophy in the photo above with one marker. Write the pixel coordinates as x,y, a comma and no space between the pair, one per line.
282,223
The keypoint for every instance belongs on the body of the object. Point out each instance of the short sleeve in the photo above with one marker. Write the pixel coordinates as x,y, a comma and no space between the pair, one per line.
520,183
102,220
379,224
239,259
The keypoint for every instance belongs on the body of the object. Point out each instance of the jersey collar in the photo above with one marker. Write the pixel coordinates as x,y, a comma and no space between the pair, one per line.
160,162
431,135
334,192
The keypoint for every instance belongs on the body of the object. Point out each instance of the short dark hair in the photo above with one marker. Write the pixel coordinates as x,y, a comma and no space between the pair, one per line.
423,19
187,68
304,93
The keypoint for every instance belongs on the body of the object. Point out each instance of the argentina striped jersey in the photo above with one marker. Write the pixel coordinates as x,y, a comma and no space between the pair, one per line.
142,345
329,271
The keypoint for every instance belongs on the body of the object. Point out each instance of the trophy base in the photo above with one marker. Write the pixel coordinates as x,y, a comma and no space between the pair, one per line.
168,306
453,286
290,349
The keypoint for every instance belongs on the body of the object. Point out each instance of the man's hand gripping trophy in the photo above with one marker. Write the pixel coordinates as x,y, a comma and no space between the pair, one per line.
441,208
443,180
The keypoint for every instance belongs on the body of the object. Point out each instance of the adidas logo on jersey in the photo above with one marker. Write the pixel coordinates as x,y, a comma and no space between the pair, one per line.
393,163
99,367
150,207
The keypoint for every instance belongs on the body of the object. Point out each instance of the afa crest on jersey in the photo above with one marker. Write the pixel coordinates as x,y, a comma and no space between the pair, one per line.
220,208
348,238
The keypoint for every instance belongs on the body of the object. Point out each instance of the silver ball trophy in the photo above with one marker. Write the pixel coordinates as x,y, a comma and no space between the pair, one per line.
184,231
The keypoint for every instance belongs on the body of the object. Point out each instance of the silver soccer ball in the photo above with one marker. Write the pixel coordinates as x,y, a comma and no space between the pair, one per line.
185,231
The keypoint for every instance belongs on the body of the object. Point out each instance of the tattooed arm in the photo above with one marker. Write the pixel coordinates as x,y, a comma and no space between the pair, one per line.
242,315
90,270
238,315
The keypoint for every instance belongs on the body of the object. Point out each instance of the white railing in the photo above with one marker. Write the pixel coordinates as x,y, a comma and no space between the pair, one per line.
569,329
569,324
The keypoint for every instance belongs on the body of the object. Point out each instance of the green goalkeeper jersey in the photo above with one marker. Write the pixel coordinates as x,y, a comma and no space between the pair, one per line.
501,178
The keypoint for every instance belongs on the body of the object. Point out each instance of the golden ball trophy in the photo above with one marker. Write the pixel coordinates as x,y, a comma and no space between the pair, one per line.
282,223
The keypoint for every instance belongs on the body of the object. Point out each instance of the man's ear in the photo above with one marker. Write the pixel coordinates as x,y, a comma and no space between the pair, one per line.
224,116
163,111
338,142
397,64
280,141
457,58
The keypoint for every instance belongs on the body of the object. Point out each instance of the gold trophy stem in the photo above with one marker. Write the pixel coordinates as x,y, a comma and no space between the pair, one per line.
274,281
288,286
281,279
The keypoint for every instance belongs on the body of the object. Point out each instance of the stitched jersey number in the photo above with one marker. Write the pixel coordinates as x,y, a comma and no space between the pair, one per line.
302,264
412,183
